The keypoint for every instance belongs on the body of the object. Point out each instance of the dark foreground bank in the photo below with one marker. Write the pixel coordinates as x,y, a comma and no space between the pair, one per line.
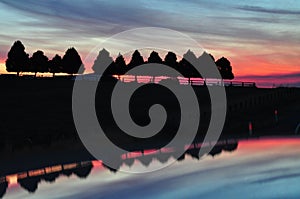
39,111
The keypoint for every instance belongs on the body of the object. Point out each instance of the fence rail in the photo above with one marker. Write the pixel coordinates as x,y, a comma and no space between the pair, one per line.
187,81
146,79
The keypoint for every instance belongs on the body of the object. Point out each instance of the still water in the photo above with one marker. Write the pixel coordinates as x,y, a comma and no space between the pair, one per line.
256,168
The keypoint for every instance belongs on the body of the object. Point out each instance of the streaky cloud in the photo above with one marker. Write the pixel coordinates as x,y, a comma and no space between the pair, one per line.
290,75
267,10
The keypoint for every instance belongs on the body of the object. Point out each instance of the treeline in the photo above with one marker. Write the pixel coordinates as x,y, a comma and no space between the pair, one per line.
186,66
19,61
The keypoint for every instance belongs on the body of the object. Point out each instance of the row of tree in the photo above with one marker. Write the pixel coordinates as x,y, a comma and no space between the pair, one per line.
186,66
19,61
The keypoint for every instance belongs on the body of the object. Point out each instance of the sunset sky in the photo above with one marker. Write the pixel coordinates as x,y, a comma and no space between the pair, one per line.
260,38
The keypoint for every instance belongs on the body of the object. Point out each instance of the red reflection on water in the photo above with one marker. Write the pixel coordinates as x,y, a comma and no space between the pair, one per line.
266,143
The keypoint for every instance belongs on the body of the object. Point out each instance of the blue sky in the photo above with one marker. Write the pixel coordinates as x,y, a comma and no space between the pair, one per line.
259,37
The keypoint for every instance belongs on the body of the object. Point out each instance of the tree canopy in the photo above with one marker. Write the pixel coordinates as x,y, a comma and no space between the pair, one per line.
120,65
71,62
154,58
17,59
171,60
55,65
38,63
187,64
105,61
136,60
225,68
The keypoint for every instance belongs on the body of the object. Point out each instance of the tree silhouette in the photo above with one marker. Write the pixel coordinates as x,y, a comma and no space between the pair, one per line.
104,60
71,62
188,64
154,58
38,63
120,65
171,60
212,57
17,59
206,61
136,60
55,65
225,68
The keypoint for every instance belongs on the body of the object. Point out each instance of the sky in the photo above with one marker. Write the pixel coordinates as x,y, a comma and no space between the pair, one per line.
260,38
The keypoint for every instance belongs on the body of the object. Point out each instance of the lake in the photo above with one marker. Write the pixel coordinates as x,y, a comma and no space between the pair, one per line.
254,168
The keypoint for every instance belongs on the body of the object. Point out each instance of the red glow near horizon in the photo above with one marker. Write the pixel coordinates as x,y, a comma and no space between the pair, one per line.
243,67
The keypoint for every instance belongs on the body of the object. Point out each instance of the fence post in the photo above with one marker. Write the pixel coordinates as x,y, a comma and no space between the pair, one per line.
276,116
250,128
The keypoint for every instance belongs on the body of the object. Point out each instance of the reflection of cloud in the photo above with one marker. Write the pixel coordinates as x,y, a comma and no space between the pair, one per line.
276,178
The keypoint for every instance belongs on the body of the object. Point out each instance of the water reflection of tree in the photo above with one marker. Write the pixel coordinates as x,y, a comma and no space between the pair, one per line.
181,158
194,153
82,170
67,173
115,164
145,160
3,188
51,177
129,162
114,170
163,157
227,147
30,183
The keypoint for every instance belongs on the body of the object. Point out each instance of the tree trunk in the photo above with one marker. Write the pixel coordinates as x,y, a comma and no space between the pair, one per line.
18,73
35,74
53,74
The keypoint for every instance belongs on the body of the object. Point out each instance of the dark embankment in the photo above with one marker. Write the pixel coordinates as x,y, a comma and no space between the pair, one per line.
39,112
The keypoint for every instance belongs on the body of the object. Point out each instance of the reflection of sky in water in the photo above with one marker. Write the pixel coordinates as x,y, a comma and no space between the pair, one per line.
257,169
